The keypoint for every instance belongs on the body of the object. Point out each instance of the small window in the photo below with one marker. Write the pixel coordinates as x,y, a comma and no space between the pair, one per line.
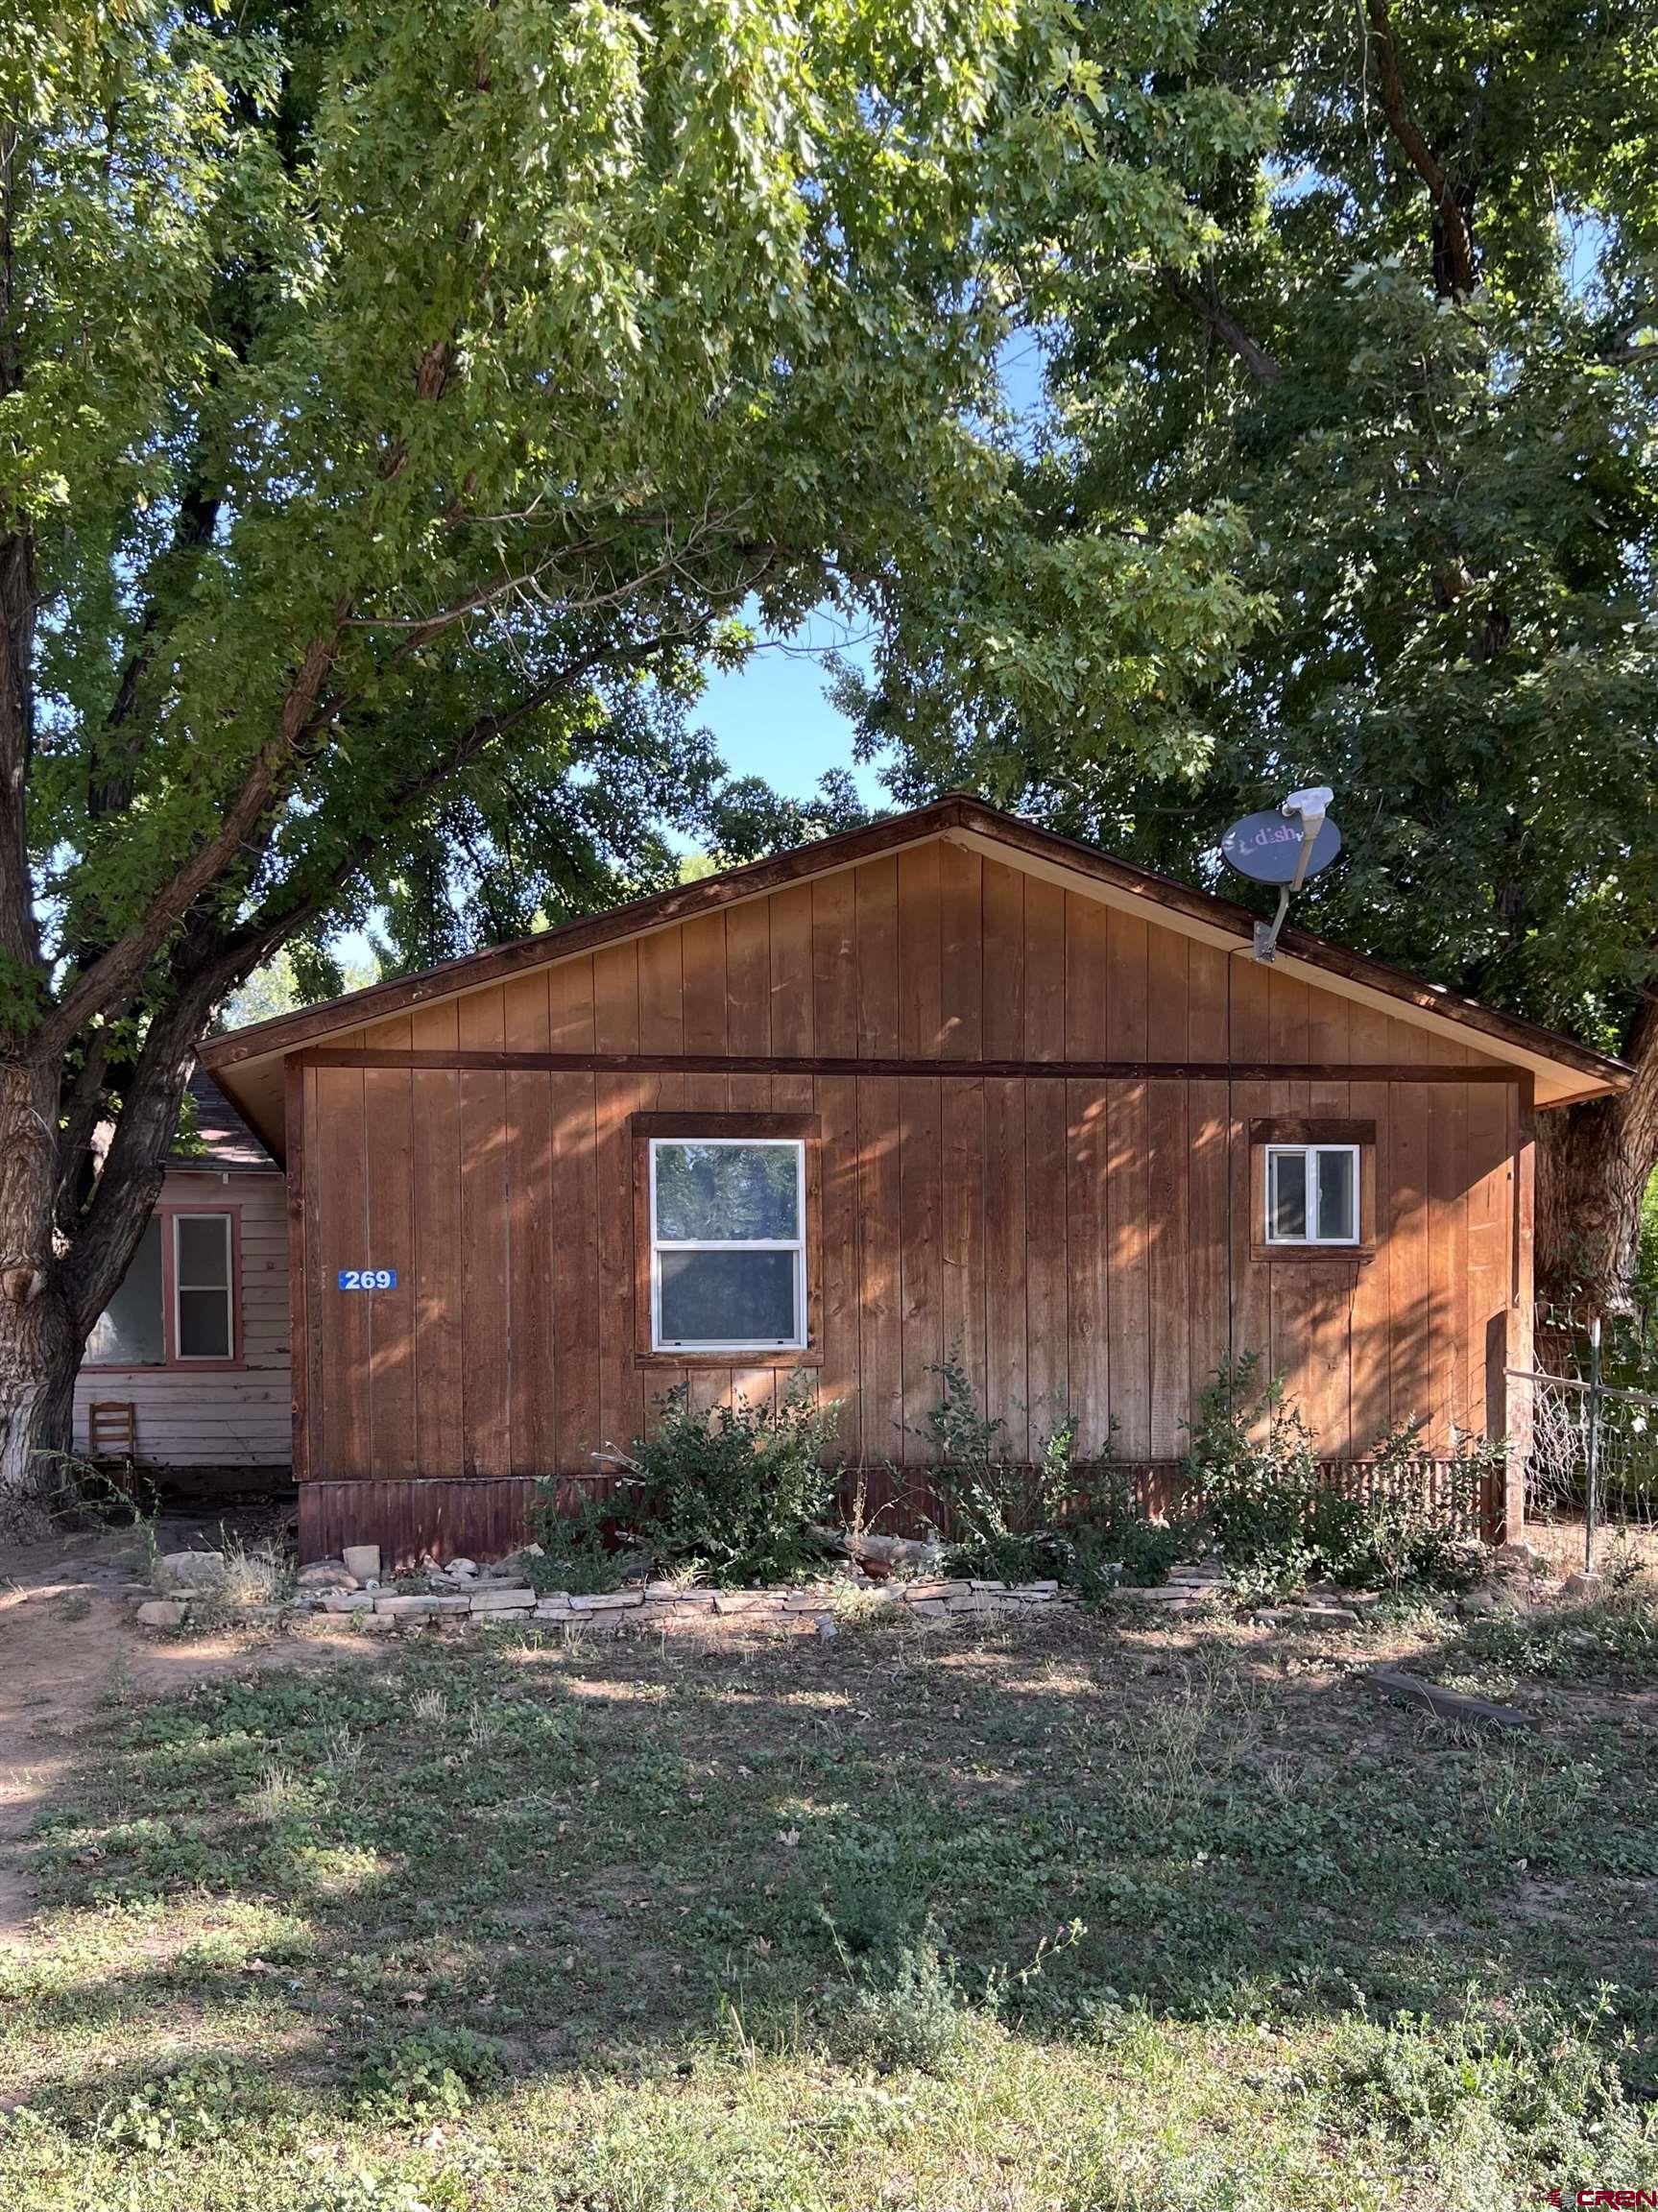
1313,1193
728,1244
203,1321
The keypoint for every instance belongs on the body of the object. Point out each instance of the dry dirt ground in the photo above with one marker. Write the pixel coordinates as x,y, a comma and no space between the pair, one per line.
67,1643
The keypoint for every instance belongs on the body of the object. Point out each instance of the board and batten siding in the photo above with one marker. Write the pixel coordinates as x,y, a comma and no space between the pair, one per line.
218,1416
1076,1240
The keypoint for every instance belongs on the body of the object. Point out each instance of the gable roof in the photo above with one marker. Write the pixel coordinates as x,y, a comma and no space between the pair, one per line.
1564,1070
225,1144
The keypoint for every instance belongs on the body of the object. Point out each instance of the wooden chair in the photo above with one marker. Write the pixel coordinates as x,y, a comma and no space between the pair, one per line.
112,1430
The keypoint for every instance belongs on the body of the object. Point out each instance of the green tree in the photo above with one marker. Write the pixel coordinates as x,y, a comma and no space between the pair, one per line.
398,403
1404,341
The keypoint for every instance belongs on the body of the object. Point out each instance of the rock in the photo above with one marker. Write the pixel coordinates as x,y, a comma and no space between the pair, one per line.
1524,1555
411,1608
162,1613
501,1597
189,1570
1580,1586
1308,1615
604,1600
892,1550
362,1561
349,1602
462,1569
1488,1597
325,1574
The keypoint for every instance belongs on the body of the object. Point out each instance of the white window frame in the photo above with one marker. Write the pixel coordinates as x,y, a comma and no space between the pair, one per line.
204,1359
1310,1154
695,1347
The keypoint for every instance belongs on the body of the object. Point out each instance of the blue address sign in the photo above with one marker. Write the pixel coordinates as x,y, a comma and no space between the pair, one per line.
368,1277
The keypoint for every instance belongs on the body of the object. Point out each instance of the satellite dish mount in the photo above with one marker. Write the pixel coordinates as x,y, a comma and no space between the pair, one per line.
1283,848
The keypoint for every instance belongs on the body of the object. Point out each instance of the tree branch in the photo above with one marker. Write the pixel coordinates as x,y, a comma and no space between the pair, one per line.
1224,325
19,612
1453,267
272,924
130,1179
115,972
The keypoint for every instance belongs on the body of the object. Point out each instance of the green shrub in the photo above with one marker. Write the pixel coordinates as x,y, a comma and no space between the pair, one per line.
1117,1545
906,2011
1004,1516
736,1493
1532,2080
1252,1466
1079,1523
1254,1473
433,2076
1402,1534
577,1547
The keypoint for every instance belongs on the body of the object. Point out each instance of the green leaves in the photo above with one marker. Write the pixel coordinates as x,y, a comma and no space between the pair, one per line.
1295,510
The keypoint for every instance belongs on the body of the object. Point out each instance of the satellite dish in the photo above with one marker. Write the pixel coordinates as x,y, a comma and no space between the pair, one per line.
1282,846
1267,848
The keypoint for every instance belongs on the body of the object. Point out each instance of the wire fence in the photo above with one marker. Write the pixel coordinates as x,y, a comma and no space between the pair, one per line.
1594,1449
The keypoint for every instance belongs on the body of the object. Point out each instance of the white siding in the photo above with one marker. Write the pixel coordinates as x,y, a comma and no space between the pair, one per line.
218,1416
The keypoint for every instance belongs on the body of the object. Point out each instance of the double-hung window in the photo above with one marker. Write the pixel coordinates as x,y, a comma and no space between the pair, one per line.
727,1229
1312,1194
203,1314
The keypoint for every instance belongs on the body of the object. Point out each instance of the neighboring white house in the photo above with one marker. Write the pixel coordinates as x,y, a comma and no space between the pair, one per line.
196,1339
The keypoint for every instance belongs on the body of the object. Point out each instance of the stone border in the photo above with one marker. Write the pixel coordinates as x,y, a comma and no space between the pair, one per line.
805,1609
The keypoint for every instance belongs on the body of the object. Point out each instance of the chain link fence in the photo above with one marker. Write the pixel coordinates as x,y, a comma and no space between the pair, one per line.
1593,1452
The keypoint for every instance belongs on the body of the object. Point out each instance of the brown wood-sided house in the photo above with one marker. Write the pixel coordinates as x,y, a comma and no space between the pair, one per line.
190,1356
949,1081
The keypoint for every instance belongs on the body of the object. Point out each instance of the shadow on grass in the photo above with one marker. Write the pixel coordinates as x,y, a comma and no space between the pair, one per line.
613,1857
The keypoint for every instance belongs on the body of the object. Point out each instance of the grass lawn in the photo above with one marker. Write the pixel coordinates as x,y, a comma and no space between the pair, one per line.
1082,1915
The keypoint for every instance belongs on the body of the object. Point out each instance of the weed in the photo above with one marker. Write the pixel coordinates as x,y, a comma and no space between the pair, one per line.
196,2105
743,1924
578,1546
1610,1634
434,2075
910,2011
1079,1525
343,1747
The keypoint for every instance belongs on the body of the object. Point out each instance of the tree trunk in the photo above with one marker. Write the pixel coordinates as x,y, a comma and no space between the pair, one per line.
39,1342
1594,1164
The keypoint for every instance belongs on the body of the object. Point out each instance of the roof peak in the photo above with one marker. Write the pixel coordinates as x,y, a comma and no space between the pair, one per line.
1166,899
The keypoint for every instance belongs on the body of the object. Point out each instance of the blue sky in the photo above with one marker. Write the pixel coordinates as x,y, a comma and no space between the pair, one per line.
773,719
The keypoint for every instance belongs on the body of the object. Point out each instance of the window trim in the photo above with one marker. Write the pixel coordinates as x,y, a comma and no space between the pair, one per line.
179,1214
649,1130
1302,1133
1311,1155
172,1362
